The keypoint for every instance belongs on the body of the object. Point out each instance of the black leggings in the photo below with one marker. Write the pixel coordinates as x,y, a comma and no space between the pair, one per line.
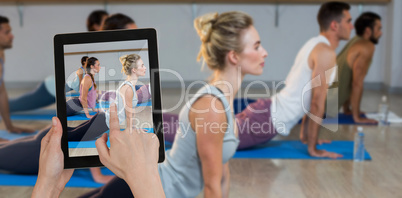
73,106
35,99
115,188
22,155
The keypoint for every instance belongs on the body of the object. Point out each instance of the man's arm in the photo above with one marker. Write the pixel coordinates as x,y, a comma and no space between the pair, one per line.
360,67
5,111
324,59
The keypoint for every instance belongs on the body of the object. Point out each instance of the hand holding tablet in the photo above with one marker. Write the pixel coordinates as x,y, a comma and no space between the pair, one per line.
133,156
52,177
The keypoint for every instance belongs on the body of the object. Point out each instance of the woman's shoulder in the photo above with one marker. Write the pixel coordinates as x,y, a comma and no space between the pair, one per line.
127,90
208,106
87,78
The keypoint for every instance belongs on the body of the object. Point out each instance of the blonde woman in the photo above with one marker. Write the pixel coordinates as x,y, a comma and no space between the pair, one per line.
198,160
126,98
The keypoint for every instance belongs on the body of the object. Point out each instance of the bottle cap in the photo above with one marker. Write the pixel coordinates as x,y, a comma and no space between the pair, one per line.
360,129
384,99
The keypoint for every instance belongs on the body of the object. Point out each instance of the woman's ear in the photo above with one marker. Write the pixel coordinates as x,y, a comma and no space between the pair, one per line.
232,57
133,70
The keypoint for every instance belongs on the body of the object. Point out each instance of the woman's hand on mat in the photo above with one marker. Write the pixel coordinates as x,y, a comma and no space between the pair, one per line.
133,156
52,177
18,130
323,153
89,116
99,177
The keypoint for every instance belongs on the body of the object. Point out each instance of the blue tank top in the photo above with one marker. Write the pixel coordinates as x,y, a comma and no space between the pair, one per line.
181,172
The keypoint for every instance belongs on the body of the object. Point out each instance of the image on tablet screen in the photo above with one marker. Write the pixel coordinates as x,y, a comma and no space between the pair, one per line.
97,75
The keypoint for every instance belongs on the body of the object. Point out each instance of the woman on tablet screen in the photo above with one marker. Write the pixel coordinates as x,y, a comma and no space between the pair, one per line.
126,97
88,93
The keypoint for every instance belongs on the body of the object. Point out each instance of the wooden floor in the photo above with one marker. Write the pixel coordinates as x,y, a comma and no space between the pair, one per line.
381,177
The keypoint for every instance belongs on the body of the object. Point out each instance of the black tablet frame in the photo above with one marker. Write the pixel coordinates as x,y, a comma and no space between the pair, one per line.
60,40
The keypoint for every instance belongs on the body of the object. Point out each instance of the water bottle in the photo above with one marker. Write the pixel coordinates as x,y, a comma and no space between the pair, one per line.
383,111
358,153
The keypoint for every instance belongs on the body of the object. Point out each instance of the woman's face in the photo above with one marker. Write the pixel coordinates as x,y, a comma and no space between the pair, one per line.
141,69
251,59
96,67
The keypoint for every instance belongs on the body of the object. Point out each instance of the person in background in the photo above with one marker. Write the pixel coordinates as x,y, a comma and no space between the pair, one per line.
6,42
353,64
96,20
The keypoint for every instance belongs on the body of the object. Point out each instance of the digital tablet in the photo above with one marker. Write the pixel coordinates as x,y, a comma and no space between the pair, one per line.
90,76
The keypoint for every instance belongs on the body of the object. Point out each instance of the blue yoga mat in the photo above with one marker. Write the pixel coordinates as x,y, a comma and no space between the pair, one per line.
293,149
241,103
73,94
280,149
81,178
12,136
91,144
47,114
39,114
80,116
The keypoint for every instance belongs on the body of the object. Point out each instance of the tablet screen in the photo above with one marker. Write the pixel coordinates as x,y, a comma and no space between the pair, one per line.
97,75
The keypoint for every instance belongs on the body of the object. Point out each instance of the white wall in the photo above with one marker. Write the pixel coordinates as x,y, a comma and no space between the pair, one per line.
109,62
393,71
178,43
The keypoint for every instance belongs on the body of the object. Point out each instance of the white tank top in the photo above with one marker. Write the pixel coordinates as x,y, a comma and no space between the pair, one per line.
293,101
120,104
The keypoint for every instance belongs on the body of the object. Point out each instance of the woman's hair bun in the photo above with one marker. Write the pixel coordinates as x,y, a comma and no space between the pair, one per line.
203,25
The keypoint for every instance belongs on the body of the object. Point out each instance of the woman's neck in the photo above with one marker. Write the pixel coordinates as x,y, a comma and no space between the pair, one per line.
132,79
229,81
92,72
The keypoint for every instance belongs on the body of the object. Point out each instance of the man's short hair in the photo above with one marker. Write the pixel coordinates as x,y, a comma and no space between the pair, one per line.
367,19
3,20
329,12
95,18
117,22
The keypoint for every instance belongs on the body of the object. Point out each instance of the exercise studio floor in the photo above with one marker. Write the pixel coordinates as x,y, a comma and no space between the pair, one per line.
380,177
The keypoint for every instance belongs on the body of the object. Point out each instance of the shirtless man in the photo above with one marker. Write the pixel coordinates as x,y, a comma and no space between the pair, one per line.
6,42
354,62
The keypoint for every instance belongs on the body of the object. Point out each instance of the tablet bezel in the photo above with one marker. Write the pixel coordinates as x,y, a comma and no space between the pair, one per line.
60,40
